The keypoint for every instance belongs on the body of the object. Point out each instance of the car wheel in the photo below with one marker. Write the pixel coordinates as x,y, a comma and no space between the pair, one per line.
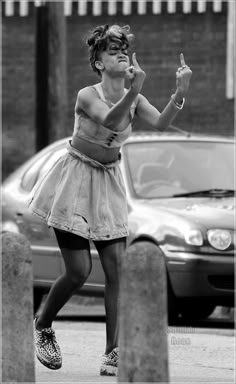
38,297
196,309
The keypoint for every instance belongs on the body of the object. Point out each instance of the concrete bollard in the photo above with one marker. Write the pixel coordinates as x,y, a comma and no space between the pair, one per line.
143,351
17,310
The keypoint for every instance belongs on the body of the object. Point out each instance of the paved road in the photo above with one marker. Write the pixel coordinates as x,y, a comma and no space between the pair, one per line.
200,354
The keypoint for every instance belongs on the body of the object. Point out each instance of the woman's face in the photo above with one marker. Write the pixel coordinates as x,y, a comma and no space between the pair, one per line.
115,58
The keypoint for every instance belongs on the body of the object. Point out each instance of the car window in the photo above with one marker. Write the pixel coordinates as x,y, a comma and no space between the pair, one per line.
41,165
162,169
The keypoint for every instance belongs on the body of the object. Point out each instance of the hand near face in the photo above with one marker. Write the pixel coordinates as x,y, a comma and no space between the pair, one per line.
183,76
135,75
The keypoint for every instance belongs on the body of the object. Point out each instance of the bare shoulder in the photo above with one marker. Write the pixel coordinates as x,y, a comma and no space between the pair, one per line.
85,96
87,93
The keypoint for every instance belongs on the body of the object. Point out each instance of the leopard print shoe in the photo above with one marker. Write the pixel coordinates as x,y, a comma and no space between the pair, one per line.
46,348
109,365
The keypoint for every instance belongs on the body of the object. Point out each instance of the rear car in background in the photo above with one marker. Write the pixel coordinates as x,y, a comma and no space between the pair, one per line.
180,191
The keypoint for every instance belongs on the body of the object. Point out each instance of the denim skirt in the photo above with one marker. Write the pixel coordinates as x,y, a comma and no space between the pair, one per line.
82,196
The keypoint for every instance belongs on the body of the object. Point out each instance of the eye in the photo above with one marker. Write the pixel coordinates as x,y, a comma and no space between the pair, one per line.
113,50
114,47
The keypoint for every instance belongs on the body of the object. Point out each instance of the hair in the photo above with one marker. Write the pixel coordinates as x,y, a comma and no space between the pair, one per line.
100,37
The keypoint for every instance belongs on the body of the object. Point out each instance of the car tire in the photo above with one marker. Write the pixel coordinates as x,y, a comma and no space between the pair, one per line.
38,298
195,309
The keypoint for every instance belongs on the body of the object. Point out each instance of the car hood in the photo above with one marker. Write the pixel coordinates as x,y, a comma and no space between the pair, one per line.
207,212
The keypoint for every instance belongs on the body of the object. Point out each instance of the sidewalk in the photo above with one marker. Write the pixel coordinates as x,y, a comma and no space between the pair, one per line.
195,355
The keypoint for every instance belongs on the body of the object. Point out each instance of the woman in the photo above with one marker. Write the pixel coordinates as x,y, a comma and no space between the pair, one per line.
83,197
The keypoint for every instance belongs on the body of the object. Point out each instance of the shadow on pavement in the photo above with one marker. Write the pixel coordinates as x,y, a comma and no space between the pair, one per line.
208,323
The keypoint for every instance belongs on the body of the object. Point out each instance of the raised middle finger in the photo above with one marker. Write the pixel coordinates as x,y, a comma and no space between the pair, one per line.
135,63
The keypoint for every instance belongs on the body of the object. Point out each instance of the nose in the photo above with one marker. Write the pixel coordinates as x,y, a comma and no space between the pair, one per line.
122,56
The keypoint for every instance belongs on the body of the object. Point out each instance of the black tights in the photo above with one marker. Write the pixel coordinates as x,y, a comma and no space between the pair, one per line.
77,258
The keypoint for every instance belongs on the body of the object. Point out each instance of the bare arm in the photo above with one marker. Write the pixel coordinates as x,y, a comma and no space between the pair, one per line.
149,114
98,111
93,106
161,120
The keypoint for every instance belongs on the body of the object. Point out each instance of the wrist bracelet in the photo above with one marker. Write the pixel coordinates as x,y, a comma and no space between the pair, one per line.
178,106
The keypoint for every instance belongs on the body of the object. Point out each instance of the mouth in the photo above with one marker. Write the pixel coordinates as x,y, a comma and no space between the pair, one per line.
123,61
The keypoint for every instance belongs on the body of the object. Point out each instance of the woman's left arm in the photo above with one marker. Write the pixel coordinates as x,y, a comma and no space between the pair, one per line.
161,120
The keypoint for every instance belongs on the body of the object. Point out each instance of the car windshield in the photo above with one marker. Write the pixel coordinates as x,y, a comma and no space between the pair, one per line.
162,169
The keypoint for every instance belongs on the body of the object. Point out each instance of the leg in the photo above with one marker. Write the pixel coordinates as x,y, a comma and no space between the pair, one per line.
110,254
76,254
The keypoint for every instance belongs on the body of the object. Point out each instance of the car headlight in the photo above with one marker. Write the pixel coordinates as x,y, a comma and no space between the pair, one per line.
10,226
219,238
194,237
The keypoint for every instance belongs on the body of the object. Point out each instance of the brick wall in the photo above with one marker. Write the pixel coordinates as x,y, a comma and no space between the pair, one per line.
159,40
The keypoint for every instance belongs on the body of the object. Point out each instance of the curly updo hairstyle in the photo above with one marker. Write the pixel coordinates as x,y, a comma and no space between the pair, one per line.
100,37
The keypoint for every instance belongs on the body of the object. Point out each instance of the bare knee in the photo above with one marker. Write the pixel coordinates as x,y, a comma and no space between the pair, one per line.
78,265
79,276
111,254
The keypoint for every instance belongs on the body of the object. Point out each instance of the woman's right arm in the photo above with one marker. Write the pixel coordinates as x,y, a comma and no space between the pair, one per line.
95,108
89,102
